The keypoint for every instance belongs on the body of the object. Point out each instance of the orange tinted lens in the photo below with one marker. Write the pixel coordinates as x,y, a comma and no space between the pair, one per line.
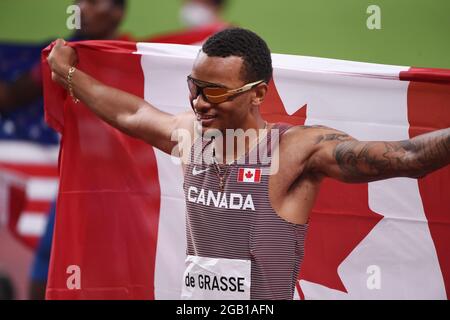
192,88
215,94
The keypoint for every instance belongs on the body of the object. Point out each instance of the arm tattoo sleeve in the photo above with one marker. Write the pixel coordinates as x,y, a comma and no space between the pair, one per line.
369,161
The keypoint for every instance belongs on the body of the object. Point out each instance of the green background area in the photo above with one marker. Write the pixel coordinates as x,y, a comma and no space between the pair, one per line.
414,32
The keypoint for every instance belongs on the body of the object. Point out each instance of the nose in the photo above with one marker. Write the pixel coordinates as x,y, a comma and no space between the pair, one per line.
200,105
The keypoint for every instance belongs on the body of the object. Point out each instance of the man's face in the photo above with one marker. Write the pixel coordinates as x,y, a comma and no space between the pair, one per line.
99,18
232,113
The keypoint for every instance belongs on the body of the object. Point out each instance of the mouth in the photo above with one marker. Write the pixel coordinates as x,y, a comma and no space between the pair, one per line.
205,116
206,119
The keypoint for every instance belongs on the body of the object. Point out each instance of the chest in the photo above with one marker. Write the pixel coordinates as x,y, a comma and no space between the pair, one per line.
235,189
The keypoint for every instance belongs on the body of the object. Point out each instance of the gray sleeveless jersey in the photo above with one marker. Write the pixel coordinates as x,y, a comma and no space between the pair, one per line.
240,223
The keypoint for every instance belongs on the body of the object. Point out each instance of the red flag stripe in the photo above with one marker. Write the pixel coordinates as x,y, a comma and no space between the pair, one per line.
426,75
257,175
241,175
33,170
38,206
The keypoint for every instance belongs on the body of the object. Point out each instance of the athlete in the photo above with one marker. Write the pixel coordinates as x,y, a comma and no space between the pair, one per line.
255,229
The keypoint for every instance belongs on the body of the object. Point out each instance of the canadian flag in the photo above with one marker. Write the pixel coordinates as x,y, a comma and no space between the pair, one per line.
249,175
121,210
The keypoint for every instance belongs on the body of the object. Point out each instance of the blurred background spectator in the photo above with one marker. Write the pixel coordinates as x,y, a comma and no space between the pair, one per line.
198,13
201,18
21,85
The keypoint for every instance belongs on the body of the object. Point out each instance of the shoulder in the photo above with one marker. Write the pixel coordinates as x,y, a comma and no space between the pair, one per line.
301,143
304,135
312,134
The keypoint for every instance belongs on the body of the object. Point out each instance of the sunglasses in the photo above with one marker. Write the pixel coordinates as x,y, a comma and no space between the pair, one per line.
214,93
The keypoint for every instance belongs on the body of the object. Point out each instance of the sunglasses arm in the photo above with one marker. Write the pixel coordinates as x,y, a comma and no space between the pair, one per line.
247,87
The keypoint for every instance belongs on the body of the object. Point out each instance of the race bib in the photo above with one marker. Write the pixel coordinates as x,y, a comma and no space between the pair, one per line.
216,279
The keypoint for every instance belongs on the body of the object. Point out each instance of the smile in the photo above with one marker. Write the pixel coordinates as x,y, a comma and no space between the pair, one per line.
205,117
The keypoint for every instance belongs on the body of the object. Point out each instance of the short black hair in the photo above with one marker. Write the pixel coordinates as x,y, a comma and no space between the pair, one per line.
120,3
245,44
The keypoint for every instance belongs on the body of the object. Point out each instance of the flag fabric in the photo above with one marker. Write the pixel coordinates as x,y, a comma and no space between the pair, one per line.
120,227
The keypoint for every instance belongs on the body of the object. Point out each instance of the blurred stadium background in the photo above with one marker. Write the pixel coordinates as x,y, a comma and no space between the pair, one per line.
414,33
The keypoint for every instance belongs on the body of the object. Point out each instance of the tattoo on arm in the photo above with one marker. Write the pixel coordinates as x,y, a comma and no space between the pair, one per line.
347,159
366,161
432,150
370,161
333,136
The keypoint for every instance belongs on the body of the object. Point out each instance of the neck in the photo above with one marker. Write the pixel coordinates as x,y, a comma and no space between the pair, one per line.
110,36
240,141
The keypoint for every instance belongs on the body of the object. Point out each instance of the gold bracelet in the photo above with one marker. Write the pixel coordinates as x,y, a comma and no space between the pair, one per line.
69,82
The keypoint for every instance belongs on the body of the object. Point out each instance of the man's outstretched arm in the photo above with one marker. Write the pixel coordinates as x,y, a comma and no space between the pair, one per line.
126,112
340,156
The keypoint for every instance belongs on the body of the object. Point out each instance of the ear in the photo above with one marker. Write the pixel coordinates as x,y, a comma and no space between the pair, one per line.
260,92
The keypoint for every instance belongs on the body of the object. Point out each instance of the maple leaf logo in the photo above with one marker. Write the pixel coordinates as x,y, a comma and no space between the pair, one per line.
249,174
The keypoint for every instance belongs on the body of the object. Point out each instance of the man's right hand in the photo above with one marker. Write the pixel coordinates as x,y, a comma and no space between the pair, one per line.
60,59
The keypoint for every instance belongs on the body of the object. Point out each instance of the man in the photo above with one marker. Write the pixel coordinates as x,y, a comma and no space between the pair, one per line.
259,232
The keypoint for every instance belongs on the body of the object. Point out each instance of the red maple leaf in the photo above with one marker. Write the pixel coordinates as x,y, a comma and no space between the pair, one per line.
340,219
429,109
249,174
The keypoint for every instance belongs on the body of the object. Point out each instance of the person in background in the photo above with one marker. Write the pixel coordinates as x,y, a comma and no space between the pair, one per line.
197,13
201,18
21,111
100,20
